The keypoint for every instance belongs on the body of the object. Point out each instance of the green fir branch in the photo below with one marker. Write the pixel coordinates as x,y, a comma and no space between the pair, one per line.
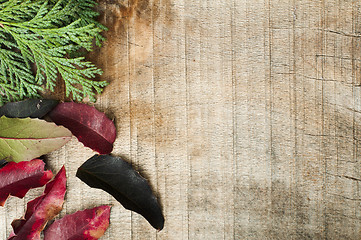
45,33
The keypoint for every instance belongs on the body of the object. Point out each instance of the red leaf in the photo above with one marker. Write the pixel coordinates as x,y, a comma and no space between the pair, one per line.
41,210
89,224
90,126
17,178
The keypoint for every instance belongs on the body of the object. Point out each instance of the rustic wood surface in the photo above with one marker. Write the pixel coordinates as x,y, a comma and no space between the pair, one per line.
244,115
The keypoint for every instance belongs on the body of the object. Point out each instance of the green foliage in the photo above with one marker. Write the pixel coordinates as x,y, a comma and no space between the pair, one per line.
37,41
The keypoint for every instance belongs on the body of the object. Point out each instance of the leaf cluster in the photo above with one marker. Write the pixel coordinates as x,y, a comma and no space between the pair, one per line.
39,40
23,138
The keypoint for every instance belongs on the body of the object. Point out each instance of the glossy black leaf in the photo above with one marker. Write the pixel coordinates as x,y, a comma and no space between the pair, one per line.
3,163
34,108
118,178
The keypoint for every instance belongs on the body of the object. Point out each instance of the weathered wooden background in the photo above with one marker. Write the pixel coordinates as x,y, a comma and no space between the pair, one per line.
244,115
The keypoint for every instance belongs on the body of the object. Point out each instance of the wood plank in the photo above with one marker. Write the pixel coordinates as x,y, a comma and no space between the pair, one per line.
244,116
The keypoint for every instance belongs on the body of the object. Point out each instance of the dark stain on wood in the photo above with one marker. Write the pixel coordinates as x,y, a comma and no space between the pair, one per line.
286,216
126,23
126,59
128,10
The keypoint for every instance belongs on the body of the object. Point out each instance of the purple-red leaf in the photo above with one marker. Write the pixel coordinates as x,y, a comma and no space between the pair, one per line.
89,224
17,178
40,210
90,126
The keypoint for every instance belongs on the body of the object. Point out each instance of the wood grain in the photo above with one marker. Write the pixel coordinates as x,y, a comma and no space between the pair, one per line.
243,115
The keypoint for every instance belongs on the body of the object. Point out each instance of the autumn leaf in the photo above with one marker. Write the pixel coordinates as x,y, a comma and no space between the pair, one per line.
90,126
17,178
26,139
118,178
89,224
34,108
40,210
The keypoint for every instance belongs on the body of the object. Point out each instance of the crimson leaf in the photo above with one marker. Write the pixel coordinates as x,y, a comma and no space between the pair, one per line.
40,210
89,224
118,178
90,126
34,108
17,178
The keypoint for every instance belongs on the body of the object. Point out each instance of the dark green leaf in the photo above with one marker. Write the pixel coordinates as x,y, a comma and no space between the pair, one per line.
34,108
118,178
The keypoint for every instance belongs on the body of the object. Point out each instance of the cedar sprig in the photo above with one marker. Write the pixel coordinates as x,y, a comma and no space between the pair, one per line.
46,34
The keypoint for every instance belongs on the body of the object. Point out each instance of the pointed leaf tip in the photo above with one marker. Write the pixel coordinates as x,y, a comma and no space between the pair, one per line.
118,178
93,128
